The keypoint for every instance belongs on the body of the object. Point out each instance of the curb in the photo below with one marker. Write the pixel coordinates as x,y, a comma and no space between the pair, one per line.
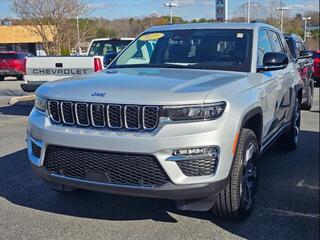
22,101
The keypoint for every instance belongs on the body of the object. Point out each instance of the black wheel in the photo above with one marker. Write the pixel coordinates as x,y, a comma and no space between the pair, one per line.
308,104
20,77
60,188
237,200
290,139
1,78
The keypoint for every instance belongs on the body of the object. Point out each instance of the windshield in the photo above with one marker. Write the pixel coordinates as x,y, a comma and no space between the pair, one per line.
214,49
102,47
11,56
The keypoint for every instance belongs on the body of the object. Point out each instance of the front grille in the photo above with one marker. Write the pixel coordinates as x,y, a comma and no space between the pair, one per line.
82,114
111,116
36,150
105,167
67,112
193,168
132,117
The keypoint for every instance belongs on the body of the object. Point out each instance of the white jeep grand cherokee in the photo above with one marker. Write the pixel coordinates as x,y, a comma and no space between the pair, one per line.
183,113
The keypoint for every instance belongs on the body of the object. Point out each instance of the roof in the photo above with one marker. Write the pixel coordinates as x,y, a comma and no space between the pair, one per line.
21,34
230,25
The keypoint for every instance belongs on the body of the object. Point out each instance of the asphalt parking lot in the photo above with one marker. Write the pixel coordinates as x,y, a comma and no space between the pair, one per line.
287,201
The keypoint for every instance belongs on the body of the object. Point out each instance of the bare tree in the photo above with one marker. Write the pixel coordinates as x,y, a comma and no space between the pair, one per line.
256,11
273,15
49,18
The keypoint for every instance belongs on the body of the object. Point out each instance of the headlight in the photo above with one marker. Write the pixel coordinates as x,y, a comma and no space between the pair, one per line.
198,112
40,104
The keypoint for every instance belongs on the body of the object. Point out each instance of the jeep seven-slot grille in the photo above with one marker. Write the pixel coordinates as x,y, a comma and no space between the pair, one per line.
105,167
114,116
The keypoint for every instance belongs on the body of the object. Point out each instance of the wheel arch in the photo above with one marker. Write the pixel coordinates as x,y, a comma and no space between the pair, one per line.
253,120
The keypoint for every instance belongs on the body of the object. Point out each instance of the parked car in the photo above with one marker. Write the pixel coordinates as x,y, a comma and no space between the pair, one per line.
316,66
304,61
50,68
12,64
183,113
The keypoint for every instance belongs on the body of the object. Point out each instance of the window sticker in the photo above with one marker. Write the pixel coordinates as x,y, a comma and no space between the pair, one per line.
239,35
151,36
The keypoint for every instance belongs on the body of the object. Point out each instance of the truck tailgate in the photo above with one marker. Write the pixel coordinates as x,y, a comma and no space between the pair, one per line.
55,68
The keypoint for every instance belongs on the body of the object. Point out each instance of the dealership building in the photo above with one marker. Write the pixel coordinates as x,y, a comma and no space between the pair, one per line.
21,38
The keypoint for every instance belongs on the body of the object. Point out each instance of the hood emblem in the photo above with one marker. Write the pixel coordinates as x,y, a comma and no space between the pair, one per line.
98,94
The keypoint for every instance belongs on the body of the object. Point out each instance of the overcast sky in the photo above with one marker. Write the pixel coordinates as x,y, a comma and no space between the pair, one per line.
187,9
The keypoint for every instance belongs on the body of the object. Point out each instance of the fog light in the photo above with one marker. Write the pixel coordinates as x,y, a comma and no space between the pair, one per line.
194,153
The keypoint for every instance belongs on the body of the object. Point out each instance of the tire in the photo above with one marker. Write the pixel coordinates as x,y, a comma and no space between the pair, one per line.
1,78
308,104
237,200
60,188
20,77
289,140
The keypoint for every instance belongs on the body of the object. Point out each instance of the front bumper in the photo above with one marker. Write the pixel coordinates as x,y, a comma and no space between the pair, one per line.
166,191
10,73
160,144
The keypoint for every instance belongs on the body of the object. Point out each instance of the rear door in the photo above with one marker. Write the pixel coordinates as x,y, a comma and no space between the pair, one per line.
5,59
284,101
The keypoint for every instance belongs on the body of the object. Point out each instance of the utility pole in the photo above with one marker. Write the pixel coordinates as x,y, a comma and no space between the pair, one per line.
171,5
78,33
248,10
305,19
282,9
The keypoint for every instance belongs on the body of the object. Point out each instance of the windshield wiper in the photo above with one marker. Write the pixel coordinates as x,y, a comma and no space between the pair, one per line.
190,66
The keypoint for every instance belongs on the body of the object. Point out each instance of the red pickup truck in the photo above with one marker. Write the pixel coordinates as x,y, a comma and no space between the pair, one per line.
12,64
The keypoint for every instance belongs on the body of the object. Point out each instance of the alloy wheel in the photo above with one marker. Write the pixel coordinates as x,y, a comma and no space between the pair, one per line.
248,183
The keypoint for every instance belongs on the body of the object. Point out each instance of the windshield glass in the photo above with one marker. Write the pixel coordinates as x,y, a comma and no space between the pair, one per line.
8,56
101,48
199,48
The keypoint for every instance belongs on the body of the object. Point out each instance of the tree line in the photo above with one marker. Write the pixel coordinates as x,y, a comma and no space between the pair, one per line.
61,17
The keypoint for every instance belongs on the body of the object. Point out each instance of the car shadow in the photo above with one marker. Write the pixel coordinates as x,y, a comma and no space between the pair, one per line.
287,199
16,110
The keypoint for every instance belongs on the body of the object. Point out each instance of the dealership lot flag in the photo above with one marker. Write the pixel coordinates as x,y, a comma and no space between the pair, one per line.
221,10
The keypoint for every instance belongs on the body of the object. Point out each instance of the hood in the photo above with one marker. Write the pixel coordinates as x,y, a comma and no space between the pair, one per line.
141,86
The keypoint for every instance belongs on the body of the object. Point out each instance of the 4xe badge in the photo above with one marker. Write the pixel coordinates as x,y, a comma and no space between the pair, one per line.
98,94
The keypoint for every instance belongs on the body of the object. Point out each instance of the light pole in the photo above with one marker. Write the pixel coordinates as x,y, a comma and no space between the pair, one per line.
248,11
305,19
78,33
171,5
282,9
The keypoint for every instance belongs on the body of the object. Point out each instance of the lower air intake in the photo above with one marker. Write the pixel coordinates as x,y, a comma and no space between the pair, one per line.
105,167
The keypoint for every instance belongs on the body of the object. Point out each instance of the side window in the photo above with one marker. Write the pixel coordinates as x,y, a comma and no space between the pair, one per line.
286,47
264,46
302,46
277,46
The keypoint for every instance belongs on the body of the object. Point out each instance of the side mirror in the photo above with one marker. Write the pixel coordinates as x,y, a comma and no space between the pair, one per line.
108,58
274,61
305,54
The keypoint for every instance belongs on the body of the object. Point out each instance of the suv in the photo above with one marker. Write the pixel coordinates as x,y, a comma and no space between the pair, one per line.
183,113
12,64
304,61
